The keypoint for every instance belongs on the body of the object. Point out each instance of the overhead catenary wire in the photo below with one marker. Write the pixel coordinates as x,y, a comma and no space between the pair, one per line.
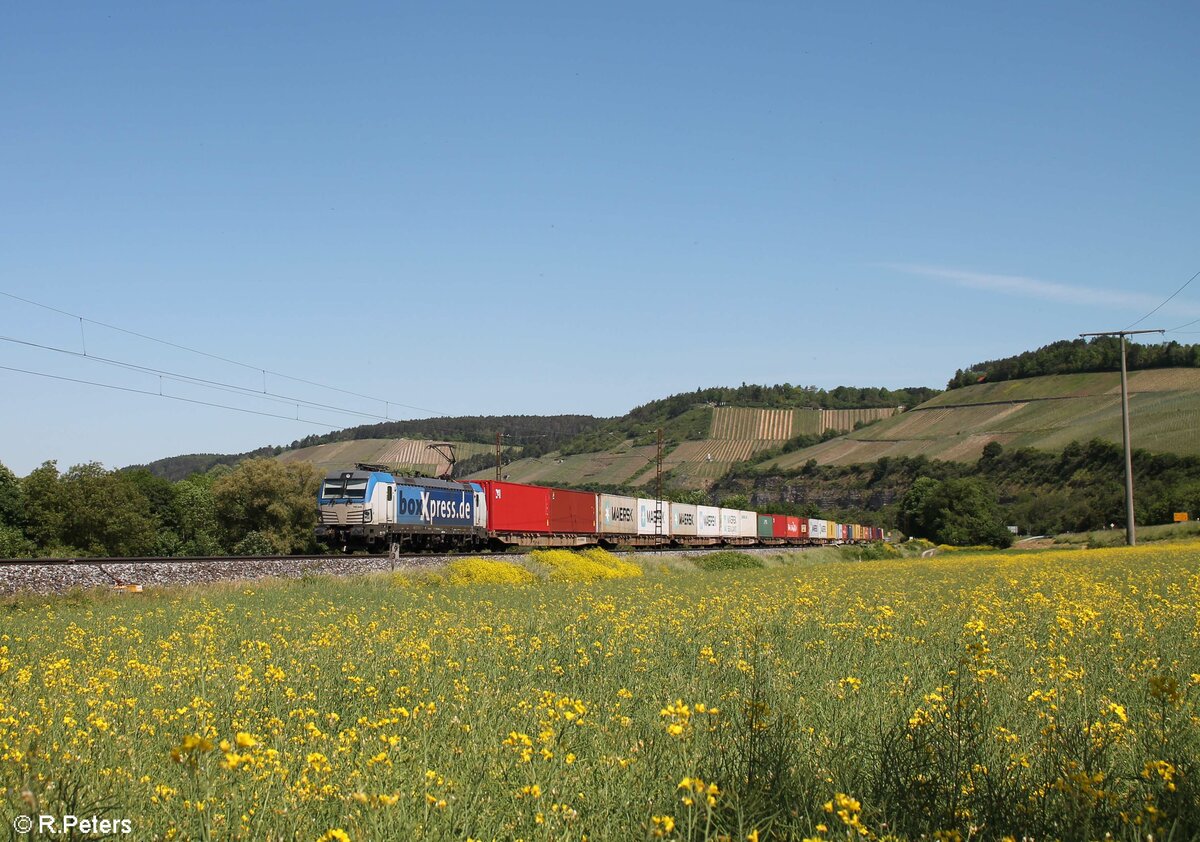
265,371
169,397
1164,304
198,381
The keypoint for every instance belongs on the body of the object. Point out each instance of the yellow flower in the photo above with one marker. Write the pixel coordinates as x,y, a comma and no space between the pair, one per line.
318,761
662,825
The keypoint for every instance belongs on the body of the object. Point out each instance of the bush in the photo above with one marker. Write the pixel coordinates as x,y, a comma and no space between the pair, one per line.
472,571
874,551
728,560
13,544
586,566
255,543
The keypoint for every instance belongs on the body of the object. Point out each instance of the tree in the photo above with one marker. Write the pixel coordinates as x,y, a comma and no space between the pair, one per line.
45,506
159,494
11,498
736,501
14,544
195,516
961,511
104,513
275,499
912,505
991,452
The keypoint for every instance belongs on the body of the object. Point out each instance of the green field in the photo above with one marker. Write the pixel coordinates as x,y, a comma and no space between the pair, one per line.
1044,413
610,467
1051,695
735,435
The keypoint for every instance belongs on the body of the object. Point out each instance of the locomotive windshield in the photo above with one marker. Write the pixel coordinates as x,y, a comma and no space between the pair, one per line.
335,487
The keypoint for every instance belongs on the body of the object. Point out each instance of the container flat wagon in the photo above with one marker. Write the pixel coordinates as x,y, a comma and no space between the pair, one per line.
373,509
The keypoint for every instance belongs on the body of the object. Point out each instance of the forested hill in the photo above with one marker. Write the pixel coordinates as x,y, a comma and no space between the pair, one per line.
1078,356
175,468
535,434
688,415
787,396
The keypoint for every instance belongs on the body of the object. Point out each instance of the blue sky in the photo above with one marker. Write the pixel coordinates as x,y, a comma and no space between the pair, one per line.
481,208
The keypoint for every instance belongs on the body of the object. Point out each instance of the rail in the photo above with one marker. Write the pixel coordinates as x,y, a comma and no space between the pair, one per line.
233,559
189,559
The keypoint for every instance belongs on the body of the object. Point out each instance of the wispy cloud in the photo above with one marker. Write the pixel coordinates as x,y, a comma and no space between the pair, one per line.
1134,304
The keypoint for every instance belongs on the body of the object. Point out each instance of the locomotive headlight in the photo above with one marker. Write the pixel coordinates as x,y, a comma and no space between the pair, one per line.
366,515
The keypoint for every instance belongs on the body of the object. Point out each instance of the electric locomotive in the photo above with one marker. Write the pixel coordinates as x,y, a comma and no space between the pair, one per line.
375,509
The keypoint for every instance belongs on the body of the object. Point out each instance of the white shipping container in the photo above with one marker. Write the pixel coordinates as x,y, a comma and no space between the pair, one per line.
618,515
729,523
650,516
816,529
747,524
684,520
708,521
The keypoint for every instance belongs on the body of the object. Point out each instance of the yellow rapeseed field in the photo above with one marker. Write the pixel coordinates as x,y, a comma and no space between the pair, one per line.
970,696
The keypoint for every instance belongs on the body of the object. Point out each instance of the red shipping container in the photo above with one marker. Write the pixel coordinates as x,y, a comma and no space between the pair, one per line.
514,507
779,527
572,511
792,527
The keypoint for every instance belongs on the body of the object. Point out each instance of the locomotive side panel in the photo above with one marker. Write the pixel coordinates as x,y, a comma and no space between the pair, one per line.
442,508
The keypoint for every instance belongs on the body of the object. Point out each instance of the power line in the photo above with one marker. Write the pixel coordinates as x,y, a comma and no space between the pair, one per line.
169,397
196,381
1164,304
1187,324
265,371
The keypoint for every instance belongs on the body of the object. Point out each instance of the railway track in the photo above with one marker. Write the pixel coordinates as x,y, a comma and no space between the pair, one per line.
186,559
59,575
400,557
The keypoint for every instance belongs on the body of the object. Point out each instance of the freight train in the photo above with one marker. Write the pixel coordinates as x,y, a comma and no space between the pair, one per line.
374,510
